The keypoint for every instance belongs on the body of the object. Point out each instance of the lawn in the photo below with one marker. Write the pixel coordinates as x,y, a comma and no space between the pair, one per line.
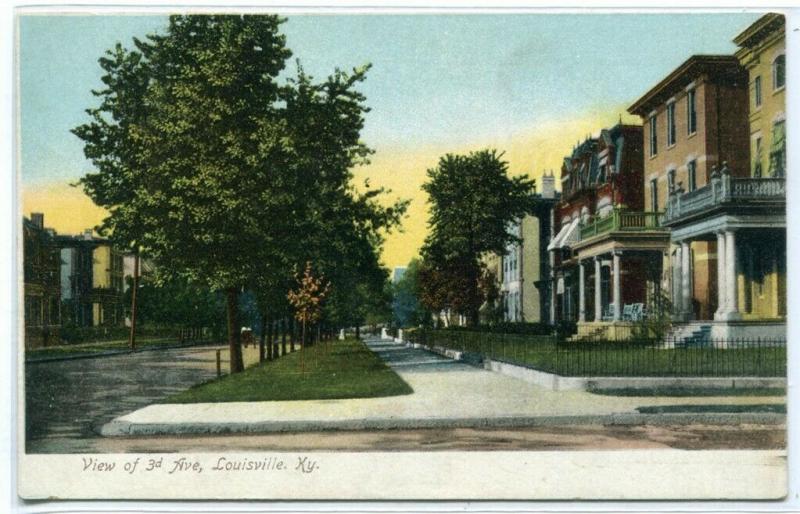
344,369
70,350
614,359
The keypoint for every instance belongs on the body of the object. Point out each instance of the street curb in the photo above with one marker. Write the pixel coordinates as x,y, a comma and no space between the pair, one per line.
117,352
121,428
556,382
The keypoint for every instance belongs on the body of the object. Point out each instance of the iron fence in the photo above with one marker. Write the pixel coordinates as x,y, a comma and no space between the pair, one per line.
630,358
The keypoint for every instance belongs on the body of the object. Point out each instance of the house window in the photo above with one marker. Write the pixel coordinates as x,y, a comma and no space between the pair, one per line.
671,180
691,112
757,91
653,136
654,195
777,155
779,72
757,154
671,124
691,172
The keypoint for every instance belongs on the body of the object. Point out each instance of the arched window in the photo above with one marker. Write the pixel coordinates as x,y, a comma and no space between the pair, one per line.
779,72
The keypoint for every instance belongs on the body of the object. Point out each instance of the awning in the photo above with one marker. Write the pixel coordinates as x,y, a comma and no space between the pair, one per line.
556,241
572,234
566,236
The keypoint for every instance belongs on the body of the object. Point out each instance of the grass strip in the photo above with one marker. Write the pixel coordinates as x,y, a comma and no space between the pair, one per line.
777,408
692,391
336,370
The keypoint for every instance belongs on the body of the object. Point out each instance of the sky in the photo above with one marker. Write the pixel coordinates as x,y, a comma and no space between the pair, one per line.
531,85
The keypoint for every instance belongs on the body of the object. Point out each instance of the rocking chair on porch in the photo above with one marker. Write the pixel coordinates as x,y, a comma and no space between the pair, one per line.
608,315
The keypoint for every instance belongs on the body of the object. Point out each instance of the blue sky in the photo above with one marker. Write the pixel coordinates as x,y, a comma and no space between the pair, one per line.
436,79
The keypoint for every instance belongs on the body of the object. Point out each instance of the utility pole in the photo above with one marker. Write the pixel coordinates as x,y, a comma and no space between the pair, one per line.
132,340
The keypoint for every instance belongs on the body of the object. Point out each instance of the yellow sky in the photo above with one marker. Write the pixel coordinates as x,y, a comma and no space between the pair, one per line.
533,151
540,148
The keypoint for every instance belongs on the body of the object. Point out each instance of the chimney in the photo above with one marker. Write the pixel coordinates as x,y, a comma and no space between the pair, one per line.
548,186
88,234
37,218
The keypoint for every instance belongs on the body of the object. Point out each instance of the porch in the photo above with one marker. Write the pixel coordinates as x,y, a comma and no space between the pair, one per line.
619,273
728,257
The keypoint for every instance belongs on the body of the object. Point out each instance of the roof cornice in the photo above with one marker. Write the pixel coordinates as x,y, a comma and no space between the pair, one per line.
760,29
686,72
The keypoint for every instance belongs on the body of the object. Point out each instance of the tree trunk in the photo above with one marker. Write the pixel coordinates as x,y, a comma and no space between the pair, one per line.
303,349
358,332
270,349
474,296
292,334
283,336
135,285
234,332
261,340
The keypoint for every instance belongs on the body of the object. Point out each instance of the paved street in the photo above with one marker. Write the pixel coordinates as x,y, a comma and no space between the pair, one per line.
447,394
67,401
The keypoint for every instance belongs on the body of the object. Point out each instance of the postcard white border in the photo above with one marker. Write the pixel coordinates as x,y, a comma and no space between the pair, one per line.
32,463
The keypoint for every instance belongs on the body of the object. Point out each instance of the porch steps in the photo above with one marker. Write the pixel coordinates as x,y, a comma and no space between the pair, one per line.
593,335
693,335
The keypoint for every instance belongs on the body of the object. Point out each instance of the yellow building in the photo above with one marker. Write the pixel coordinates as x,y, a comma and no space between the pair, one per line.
763,54
762,282
91,281
523,272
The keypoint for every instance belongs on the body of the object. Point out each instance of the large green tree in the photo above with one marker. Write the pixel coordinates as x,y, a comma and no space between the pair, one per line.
227,178
473,202
188,149
346,225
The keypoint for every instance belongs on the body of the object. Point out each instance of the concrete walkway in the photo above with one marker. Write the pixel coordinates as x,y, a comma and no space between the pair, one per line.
446,394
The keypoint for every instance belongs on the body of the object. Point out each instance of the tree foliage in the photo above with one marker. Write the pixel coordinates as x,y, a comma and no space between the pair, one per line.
229,179
473,201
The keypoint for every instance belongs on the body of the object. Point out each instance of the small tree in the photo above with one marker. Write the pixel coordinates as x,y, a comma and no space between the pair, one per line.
307,302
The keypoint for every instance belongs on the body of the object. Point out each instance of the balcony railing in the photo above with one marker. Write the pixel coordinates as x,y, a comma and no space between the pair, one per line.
621,220
723,189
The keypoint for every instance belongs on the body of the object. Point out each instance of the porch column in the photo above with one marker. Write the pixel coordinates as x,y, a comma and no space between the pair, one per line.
581,292
731,287
617,297
722,299
598,302
553,296
686,280
776,295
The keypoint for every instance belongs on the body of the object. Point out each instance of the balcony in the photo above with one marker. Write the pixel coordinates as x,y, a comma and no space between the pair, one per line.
621,220
723,190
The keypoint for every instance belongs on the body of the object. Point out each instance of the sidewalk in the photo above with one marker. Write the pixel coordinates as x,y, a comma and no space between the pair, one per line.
446,394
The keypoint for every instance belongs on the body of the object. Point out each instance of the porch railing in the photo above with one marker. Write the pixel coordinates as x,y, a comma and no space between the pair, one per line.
621,220
722,189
